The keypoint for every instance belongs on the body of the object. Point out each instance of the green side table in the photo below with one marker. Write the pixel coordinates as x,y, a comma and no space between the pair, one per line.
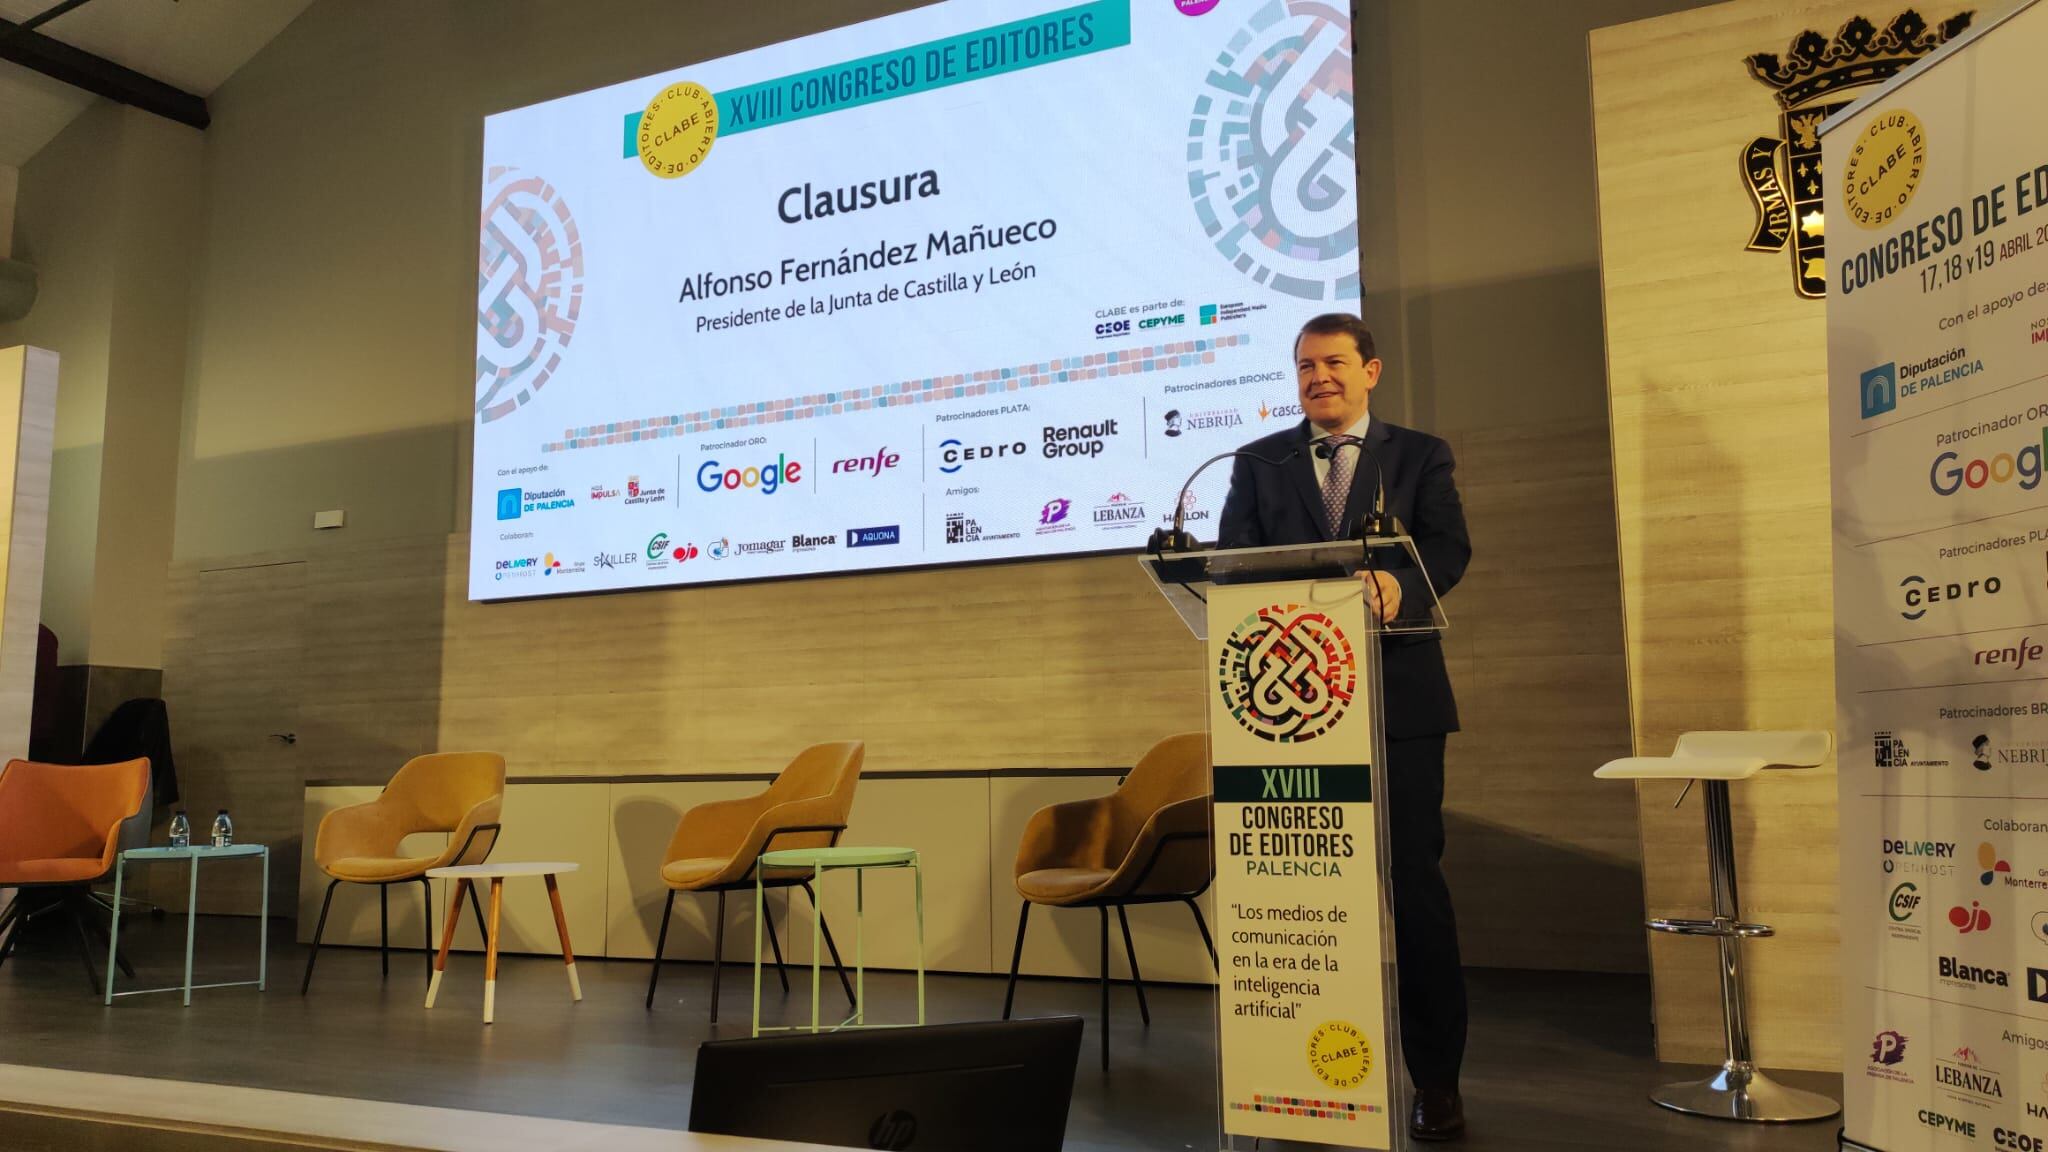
193,855
821,861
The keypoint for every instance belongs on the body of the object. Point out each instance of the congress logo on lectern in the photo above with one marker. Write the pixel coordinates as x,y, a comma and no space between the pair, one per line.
1817,77
529,290
1287,673
1272,151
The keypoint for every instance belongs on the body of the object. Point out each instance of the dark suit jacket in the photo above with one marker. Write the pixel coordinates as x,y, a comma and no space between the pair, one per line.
1284,505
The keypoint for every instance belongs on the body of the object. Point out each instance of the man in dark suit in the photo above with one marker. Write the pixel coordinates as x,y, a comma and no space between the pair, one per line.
1315,492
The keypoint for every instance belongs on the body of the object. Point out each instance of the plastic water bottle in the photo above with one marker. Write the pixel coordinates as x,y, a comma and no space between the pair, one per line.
181,830
223,829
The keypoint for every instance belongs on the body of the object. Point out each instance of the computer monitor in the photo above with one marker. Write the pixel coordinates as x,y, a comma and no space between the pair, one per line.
999,1086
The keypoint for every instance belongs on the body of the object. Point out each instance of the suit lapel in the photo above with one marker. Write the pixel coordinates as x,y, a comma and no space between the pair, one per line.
1302,472
1380,442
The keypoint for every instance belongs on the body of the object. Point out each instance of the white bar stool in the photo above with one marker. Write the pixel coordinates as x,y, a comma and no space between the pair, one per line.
1740,1090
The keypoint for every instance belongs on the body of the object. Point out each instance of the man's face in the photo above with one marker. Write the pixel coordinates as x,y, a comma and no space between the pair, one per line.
1335,381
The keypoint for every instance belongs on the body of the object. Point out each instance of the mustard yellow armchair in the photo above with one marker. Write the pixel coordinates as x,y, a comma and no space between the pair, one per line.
716,845
1145,843
460,793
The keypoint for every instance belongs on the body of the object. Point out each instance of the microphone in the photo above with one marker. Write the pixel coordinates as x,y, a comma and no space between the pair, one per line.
1178,540
1376,522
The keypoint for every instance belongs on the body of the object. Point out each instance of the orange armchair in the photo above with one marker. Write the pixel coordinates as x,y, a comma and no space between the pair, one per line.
60,829
1145,843
716,845
460,793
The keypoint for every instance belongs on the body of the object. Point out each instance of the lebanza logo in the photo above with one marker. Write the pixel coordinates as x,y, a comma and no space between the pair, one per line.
1287,673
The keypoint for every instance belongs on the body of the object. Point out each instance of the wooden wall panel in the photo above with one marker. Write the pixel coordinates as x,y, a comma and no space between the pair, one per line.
1717,378
1043,665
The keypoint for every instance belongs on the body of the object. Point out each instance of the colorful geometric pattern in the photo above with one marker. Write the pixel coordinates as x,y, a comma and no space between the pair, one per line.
1304,1106
902,393
1272,151
529,290
1287,673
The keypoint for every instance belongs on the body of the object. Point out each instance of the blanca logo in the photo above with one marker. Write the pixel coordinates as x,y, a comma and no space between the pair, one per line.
1955,971
1971,919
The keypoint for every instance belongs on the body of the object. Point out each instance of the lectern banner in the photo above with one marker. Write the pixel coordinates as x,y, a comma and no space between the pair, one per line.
1303,1040
1937,254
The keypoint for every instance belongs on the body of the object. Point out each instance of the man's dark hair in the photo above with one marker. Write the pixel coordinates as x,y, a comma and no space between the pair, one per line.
1331,323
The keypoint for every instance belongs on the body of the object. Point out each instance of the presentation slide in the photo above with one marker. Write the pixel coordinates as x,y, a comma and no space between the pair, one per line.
980,281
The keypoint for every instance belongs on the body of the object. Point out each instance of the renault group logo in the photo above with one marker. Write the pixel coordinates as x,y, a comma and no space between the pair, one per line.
1287,673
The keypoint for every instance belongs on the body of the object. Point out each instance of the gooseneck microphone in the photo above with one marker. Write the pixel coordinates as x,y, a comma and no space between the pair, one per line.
1177,539
1375,522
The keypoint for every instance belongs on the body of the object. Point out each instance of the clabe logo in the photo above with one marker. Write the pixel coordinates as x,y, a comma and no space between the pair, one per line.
1880,390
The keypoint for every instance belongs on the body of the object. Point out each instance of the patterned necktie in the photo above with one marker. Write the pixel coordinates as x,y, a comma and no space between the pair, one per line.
1337,487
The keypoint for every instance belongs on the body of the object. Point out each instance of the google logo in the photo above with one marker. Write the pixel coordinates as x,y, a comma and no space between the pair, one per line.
1951,474
712,478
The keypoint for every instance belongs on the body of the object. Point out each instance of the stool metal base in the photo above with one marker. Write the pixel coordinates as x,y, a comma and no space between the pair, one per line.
1743,1092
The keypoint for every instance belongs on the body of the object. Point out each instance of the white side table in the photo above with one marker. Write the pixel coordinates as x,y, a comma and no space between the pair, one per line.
195,854
468,874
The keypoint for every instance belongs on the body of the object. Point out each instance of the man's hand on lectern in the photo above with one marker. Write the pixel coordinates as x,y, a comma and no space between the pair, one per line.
1382,595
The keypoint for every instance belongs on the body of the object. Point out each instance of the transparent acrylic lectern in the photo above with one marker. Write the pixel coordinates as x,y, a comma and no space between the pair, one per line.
1308,1043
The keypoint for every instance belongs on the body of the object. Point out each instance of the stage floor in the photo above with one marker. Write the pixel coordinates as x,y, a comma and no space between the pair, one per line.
1556,1061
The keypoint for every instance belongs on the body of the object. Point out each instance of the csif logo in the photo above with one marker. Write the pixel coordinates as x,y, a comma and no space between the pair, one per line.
1903,902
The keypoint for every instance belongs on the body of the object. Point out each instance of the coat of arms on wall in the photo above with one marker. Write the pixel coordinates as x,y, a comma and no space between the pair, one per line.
1817,77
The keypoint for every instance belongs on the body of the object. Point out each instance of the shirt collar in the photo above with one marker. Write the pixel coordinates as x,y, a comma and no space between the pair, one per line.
1316,431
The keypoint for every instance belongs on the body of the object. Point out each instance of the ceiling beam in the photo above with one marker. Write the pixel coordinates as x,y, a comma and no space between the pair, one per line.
99,76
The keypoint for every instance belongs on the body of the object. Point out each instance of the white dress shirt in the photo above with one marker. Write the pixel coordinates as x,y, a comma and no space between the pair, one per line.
1316,433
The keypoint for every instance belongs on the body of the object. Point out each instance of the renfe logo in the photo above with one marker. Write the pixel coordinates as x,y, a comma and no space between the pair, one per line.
2015,656
711,477
874,465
